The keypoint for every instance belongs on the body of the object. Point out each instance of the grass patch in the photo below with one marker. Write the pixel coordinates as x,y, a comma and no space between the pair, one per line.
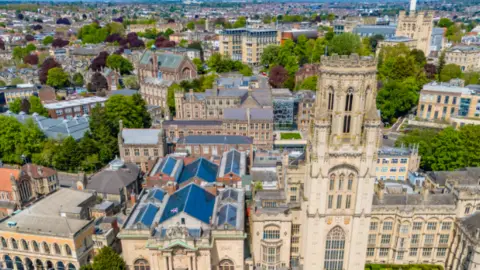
290,136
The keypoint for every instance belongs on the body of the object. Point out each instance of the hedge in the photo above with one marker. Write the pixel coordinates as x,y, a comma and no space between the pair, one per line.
403,267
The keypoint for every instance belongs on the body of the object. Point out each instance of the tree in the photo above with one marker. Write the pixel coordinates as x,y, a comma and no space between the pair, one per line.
99,62
77,79
199,64
345,44
454,33
31,59
64,21
115,28
98,83
240,22
16,81
191,26
57,77
444,22
131,82
450,71
3,83
47,40
331,17
309,83
2,44
374,40
48,64
107,258
278,75
17,139
119,63
396,98
59,43
270,55
471,77
162,42
246,71
36,106
36,27
419,57
29,38
15,106
430,71
441,62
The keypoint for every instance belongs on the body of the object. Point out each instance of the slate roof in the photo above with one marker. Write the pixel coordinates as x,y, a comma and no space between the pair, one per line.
56,128
165,60
215,139
146,136
471,223
242,114
464,176
110,180
192,123
414,200
234,162
200,168
191,199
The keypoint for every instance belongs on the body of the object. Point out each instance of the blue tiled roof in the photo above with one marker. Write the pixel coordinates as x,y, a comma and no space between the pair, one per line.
156,194
168,166
146,215
200,168
233,162
193,200
228,215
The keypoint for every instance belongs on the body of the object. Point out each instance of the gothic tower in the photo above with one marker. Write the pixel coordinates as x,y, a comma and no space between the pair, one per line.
342,157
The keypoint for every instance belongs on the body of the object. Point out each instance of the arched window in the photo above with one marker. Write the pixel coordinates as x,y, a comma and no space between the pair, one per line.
350,182
71,267
8,261
332,182
39,264
340,181
29,264
467,209
271,232
14,243
68,250
349,101
24,245
56,248
35,246
4,242
141,264
331,99
19,263
60,266
46,248
346,123
335,249
226,265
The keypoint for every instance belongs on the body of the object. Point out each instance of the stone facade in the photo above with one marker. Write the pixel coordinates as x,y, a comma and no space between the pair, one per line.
154,91
417,26
165,66
466,57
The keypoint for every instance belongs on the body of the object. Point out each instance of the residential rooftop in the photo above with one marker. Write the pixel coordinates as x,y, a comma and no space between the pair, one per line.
74,102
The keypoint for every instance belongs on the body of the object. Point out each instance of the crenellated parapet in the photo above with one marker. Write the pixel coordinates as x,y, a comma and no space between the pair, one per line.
348,62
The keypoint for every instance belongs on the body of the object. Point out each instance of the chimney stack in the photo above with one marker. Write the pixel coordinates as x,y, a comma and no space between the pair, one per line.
380,189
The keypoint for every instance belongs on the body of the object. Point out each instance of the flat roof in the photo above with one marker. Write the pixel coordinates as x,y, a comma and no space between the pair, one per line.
74,102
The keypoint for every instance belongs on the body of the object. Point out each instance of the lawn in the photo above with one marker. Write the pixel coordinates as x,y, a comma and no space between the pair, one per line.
290,136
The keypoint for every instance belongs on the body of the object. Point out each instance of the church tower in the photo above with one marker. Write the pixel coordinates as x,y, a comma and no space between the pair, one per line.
340,178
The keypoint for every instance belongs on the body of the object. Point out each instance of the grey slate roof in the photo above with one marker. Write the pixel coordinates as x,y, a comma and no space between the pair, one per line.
192,123
215,139
414,200
111,180
56,128
464,176
241,114
471,223
141,136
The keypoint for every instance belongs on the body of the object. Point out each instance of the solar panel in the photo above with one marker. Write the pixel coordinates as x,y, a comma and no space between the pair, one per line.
227,215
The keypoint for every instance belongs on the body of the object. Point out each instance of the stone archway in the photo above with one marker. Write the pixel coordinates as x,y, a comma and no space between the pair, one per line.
39,265
29,264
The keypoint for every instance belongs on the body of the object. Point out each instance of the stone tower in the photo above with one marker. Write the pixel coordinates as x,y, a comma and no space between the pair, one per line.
341,165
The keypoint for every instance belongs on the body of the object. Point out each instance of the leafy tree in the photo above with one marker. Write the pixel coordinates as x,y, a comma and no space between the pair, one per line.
36,106
430,71
107,258
77,79
396,98
99,62
270,55
98,83
64,21
2,44
25,106
450,71
454,33
59,43
191,26
419,57
115,28
92,33
277,77
240,22
131,82
441,62
57,77
162,42
17,139
444,22
471,77
119,63
15,105
246,70
48,64
374,40
331,17
345,44
2,83
31,59
68,156
199,64
16,80
309,83
47,40
29,37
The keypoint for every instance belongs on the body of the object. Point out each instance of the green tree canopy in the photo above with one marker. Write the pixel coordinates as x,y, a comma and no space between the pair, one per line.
345,44
57,77
36,106
131,82
450,71
77,79
445,22
119,63
309,83
107,258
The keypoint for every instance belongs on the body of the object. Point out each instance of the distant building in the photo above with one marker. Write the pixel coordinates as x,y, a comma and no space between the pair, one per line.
165,66
54,232
247,44
466,57
154,91
213,145
417,26
68,109
10,93
396,163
